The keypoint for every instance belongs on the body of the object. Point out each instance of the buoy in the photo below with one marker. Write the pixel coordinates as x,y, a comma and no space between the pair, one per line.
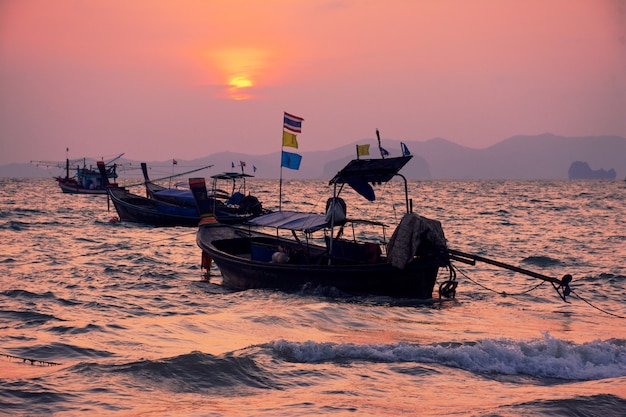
114,219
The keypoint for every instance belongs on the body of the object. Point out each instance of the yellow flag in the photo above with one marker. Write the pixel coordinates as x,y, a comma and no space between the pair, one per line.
289,139
362,150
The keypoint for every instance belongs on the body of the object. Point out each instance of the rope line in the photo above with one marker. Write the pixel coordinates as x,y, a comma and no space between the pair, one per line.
34,362
499,292
596,307
572,292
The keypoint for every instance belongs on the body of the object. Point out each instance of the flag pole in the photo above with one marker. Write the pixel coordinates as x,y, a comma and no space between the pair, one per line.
280,182
293,124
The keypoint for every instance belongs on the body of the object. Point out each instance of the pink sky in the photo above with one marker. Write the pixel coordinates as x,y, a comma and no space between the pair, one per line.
184,79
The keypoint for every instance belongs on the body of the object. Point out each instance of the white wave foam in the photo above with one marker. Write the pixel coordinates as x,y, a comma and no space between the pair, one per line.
547,358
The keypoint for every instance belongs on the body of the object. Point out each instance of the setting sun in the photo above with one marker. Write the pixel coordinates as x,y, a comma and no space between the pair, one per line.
240,82
238,69
239,88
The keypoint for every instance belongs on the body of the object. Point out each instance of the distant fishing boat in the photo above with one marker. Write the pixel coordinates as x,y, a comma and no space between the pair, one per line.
86,180
166,212
138,209
234,206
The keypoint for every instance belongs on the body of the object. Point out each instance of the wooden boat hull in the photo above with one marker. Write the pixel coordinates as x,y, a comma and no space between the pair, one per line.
137,209
231,250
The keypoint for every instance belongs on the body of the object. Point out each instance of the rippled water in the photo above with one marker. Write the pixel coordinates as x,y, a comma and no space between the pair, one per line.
108,318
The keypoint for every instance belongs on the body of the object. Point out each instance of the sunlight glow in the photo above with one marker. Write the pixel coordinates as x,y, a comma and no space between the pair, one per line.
239,69
239,86
240,82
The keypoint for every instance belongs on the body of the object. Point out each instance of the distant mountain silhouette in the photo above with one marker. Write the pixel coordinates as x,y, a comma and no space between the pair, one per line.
519,157
580,170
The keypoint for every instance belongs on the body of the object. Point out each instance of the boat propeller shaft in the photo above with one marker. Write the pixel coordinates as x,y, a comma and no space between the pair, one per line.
560,285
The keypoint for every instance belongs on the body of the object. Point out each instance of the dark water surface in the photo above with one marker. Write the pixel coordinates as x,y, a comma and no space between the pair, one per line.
114,319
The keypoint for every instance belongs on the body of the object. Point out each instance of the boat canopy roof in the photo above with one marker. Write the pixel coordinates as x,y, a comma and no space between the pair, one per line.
370,170
301,222
292,220
358,173
361,173
230,175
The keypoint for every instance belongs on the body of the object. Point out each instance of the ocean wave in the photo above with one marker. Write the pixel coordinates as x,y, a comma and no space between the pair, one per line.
26,294
543,261
58,352
542,358
25,399
594,405
76,330
27,318
605,278
15,226
198,371
29,296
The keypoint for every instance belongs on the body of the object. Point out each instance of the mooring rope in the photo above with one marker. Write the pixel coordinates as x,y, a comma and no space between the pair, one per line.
596,307
504,293
34,362
534,288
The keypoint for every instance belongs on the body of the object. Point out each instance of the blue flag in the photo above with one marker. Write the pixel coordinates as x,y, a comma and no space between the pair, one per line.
405,150
290,160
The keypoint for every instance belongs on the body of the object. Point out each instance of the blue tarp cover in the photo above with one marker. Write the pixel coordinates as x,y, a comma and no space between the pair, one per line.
292,220
182,195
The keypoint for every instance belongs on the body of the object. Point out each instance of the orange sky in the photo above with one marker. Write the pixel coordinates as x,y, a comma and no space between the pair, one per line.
184,79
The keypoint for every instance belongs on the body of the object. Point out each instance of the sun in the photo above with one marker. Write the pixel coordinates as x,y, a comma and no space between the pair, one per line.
240,81
239,88
238,68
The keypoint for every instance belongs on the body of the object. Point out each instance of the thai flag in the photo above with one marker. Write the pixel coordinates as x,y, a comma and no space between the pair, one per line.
292,123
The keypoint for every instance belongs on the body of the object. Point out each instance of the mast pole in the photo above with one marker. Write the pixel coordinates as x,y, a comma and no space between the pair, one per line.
380,148
280,182
67,163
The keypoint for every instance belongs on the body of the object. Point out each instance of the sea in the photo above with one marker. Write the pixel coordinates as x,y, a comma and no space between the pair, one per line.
100,317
